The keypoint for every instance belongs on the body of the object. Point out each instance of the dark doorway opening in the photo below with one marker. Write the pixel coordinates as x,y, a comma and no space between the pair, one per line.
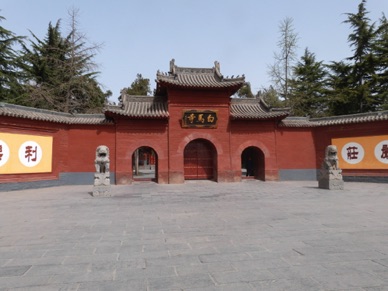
253,164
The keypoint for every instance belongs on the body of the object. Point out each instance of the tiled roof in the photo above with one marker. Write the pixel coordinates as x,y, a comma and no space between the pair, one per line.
140,107
198,77
297,122
334,120
252,108
352,118
18,111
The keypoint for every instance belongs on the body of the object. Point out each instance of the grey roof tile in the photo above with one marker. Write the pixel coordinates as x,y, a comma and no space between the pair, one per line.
141,107
252,108
198,77
353,118
297,122
18,111
335,120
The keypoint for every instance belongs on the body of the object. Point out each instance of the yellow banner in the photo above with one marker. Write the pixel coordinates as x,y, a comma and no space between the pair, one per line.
367,152
21,153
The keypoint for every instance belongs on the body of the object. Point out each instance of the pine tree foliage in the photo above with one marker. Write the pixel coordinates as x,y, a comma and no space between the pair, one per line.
60,73
140,86
245,91
307,88
363,60
271,97
340,89
357,83
9,72
381,51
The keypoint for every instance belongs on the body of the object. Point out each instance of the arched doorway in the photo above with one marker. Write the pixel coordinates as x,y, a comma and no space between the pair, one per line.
252,163
199,160
144,164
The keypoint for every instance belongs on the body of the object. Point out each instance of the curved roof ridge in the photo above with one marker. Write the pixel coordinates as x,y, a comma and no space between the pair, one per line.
348,116
295,121
19,111
138,106
253,108
197,77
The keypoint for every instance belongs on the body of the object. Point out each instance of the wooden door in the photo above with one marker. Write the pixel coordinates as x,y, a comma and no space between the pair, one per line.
198,160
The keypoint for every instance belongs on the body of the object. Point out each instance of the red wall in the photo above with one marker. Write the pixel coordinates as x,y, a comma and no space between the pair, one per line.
82,143
259,134
132,134
179,137
283,148
295,148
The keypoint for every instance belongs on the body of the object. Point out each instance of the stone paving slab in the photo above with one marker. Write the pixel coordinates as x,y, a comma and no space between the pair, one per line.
199,235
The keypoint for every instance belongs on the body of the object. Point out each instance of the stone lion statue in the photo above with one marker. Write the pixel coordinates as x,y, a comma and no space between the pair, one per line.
330,175
331,158
102,159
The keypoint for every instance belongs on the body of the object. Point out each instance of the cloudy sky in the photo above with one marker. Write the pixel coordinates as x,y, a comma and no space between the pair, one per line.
143,36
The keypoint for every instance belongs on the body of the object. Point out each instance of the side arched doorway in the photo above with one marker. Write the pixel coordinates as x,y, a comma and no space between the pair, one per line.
200,160
144,164
253,163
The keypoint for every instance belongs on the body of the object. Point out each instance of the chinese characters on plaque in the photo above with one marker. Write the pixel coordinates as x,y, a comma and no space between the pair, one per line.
381,152
30,153
363,152
25,153
198,118
352,153
4,152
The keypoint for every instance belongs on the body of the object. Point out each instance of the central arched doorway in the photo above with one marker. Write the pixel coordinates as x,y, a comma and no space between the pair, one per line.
199,160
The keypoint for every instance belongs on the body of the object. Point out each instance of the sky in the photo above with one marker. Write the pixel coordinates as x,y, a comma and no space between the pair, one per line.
141,37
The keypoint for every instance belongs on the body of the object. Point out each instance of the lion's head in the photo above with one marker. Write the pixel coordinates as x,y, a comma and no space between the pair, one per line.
102,152
331,158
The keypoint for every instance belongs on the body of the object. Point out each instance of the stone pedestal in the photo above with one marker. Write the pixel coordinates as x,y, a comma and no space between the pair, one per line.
101,186
101,191
331,179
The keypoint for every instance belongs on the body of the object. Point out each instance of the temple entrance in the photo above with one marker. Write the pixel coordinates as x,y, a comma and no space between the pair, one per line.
252,164
199,161
144,164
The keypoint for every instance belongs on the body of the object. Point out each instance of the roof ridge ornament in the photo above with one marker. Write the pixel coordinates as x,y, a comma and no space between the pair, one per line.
218,69
172,66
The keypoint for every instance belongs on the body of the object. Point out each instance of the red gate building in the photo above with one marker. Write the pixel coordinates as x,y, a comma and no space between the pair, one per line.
193,129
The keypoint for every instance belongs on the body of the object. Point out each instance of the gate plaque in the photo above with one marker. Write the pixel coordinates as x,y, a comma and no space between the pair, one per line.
199,118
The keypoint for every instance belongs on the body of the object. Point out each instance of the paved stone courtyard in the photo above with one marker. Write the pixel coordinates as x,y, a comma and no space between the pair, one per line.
196,236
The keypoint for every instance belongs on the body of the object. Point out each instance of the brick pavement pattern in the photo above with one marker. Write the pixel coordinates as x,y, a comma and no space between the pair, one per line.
196,236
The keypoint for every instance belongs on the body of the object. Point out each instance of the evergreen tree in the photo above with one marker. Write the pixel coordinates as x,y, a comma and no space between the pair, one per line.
363,60
381,51
341,92
245,91
60,73
140,86
357,83
271,97
9,72
44,67
308,93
